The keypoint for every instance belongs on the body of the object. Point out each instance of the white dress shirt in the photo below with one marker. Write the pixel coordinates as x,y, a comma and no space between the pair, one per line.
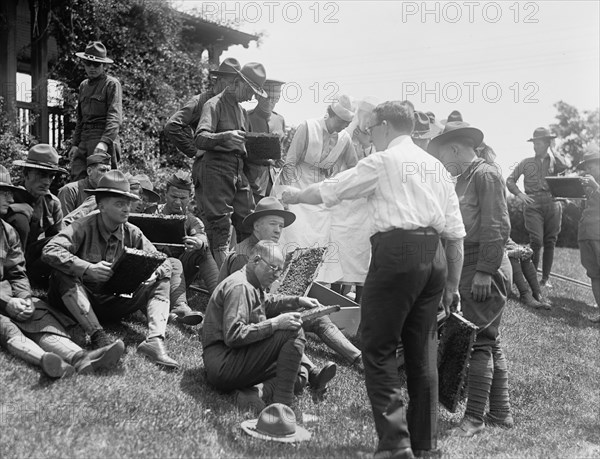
405,188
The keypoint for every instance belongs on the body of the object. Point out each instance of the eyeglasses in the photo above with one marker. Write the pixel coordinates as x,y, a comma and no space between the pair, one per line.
369,130
92,64
273,268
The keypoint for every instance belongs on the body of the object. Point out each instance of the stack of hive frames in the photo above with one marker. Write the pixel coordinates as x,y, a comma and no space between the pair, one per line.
261,145
457,336
300,270
131,269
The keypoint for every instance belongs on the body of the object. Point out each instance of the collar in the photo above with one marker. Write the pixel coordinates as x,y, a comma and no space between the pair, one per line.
472,167
106,233
259,112
398,140
98,78
251,277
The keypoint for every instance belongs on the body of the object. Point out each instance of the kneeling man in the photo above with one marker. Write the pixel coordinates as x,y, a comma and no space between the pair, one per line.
242,348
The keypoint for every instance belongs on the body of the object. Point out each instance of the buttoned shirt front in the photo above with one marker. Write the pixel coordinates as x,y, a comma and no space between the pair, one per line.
100,104
482,195
405,188
534,170
88,241
220,114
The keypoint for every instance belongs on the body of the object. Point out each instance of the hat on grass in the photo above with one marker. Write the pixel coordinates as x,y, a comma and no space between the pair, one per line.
277,422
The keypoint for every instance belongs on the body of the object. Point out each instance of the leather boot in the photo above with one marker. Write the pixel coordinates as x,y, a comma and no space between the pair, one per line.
55,367
104,358
154,349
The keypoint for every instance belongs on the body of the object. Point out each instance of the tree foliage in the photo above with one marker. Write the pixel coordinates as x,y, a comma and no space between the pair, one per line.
156,68
575,130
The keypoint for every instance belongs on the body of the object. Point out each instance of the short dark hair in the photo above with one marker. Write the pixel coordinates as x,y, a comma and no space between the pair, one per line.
399,114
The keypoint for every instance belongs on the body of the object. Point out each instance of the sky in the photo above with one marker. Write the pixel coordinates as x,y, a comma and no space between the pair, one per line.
501,64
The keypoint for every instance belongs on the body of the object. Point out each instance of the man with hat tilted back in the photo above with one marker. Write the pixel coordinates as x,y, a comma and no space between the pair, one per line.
72,195
263,118
486,273
182,124
541,212
82,255
99,112
227,197
36,210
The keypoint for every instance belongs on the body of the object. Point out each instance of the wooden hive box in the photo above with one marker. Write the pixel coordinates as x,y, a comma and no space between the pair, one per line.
131,269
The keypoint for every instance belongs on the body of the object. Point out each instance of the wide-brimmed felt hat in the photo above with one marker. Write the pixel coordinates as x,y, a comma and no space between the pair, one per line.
422,128
342,107
541,133
230,66
277,422
97,158
269,205
592,153
5,181
114,182
147,187
95,51
41,156
255,75
453,130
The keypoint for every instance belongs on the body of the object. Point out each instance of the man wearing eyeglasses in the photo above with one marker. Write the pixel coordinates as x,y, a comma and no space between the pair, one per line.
245,352
99,112
412,205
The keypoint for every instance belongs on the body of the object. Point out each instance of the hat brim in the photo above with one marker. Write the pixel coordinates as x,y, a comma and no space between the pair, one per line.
8,186
301,433
552,136
288,217
423,135
90,57
221,73
151,196
473,133
29,165
95,191
256,88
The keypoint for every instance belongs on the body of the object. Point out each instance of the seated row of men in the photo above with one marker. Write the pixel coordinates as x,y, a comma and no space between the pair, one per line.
79,258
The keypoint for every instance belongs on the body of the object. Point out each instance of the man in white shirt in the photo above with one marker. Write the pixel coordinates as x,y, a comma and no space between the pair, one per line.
412,205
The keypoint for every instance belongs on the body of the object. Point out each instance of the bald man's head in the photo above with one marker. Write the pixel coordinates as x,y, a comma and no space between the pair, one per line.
266,262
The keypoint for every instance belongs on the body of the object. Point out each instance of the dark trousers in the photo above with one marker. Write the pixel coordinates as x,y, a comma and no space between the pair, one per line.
86,147
278,356
542,222
200,263
226,198
401,296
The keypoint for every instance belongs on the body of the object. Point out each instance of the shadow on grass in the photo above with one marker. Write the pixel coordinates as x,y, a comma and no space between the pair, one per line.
573,313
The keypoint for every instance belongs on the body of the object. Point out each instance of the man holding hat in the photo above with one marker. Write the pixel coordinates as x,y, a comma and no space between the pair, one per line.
30,328
181,126
72,195
227,197
36,210
486,274
82,255
263,118
99,112
589,225
408,277
542,214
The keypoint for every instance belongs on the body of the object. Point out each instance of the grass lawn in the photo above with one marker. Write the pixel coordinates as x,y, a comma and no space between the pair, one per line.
139,410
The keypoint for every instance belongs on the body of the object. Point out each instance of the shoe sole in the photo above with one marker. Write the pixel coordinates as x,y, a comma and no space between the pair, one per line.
190,319
110,358
326,375
55,367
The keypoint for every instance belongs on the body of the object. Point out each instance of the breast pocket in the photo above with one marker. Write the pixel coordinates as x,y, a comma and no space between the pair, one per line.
98,105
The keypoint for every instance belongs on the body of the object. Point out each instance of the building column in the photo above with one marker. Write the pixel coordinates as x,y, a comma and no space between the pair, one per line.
39,66
8,59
